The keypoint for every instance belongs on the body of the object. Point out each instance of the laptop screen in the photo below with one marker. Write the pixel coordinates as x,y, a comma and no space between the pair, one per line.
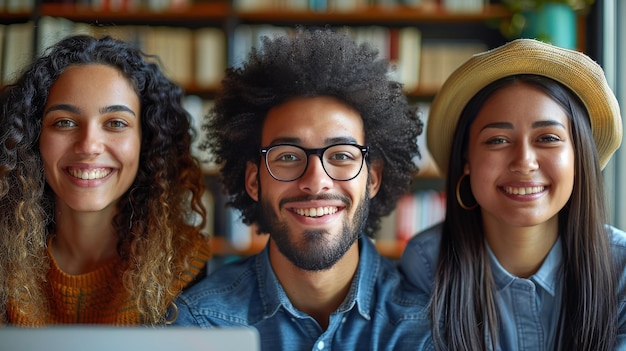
109,338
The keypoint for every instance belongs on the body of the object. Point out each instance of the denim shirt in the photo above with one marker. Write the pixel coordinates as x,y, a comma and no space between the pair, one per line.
380,312
528,309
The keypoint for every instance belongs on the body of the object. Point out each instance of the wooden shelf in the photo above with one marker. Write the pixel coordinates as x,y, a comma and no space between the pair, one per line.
374,14
216,11
15,17
223,10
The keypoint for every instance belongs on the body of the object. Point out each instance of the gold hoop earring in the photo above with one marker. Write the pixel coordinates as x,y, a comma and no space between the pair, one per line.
458,195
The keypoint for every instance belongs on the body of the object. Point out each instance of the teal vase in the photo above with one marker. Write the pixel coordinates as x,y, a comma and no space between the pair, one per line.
553,23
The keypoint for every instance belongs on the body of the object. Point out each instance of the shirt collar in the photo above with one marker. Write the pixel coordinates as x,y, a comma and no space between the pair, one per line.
545,277
361,291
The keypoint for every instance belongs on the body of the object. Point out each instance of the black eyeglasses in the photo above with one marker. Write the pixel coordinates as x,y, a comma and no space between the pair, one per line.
287,162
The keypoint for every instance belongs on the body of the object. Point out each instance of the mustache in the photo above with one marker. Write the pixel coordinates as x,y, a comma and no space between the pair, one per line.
346,200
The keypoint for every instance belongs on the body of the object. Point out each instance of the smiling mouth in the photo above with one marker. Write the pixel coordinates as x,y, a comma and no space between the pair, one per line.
524,190
90,174
316,211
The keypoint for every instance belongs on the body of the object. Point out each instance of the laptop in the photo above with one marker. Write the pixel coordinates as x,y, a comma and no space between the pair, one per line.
109,338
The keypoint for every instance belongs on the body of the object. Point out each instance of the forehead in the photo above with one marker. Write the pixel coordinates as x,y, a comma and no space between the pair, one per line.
312,122
92,85
96,79
520,104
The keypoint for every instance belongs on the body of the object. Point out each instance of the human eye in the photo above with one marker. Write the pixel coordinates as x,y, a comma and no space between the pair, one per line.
116,124
496,141
64,124
285,155
343,154
549,138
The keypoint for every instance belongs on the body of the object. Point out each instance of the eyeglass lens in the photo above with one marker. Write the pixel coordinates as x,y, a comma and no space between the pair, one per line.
289,162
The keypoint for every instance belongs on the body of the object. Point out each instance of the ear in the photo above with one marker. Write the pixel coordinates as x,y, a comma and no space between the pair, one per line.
252,182
376,176
466,169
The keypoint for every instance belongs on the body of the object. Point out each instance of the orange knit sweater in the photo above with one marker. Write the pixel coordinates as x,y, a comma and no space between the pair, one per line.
97,297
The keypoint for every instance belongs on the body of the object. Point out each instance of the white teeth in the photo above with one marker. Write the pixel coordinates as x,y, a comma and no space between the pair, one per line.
315,211
90,174
524,191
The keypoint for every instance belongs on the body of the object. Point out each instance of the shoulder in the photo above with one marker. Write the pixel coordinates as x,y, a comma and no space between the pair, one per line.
223,298
618,246
391,296
419,259
617,237
229,280
423,248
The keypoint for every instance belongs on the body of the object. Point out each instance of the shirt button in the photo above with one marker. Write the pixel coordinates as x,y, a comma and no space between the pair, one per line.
343,320
320,345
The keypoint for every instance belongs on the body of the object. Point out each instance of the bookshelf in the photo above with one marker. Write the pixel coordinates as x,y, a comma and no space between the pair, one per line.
438,32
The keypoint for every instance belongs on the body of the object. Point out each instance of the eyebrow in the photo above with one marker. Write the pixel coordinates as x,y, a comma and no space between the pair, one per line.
117,108
328,141
538,124
76,110
62,107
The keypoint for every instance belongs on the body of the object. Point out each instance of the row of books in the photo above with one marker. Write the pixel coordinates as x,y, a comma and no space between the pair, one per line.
319,5
191,57
198,57
25,6
16,49
17,6
467,6
420,64
414,213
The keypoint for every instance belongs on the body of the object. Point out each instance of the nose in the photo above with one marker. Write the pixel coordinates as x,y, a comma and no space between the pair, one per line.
315,180
524,159
90,141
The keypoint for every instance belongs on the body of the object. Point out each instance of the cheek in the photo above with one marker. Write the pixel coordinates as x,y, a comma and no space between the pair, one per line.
269,189
51,149
485,165
356,189
563,167
128,149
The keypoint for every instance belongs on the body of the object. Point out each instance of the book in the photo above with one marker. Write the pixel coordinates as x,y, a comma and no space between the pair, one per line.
210,57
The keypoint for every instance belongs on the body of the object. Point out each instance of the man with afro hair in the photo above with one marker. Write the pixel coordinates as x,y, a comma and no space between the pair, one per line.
316,144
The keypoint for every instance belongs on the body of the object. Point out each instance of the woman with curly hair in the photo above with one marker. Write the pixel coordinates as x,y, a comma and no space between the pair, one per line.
97,186
524,259
316,144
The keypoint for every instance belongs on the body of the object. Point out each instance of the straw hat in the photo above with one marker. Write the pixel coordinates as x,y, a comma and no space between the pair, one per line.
526,56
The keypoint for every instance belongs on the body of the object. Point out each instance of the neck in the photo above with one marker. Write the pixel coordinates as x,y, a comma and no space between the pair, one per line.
316,293
83,241
521,250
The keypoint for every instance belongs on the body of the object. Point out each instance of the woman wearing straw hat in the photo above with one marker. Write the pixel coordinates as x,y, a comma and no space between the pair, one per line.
523,259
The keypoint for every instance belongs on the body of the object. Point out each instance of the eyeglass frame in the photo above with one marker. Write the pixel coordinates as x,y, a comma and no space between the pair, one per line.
319,152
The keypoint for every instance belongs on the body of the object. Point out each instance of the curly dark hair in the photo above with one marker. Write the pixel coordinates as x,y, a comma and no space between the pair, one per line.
157,206
316,62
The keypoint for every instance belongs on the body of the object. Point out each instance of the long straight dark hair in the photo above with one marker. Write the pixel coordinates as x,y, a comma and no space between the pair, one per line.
463,308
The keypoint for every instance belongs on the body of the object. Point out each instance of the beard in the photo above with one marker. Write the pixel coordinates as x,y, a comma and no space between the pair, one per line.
317,249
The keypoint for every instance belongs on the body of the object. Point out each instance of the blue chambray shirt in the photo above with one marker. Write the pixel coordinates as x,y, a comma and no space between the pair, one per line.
381,311
528,309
